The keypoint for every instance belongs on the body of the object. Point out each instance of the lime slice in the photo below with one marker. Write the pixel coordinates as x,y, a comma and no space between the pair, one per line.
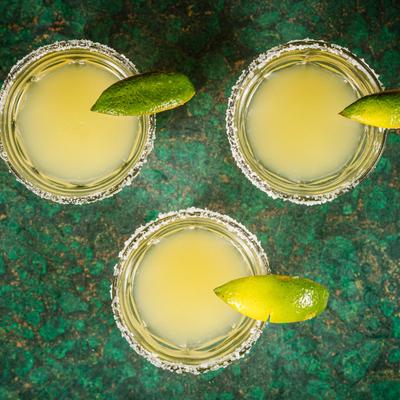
147,93
277,298
380,109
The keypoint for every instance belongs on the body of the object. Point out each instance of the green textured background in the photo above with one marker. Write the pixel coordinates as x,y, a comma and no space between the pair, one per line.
58,338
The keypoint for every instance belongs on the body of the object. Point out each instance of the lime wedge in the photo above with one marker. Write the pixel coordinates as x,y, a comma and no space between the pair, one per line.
380,109
277,298
147,93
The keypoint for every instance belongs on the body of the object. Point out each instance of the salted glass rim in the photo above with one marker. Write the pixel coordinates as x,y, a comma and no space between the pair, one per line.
143,233
149,122
260,62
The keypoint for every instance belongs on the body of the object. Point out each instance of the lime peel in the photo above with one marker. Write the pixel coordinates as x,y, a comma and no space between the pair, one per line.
379,109
275,298
145,94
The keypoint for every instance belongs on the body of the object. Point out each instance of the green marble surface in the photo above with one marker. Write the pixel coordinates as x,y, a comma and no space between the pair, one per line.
58,338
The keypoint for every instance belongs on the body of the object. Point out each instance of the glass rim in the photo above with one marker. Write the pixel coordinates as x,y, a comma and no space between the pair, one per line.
232,130
131,245
55,48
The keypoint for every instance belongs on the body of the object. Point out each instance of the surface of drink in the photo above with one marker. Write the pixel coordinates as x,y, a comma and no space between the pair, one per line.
173,286
293,125
63,139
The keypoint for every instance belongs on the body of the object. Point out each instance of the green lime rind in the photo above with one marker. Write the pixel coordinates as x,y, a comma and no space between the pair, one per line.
275,298
380,109
145,94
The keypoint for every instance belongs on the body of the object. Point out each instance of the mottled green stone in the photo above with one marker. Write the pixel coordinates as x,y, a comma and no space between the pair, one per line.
58,337
70,303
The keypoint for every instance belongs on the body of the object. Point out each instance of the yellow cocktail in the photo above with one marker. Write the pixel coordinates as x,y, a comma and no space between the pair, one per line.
163,290
52,141
284,126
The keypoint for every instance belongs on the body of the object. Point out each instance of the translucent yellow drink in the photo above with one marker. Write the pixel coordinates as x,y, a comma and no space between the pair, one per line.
62,137
163,290
284,126
49,138
293,123
174,286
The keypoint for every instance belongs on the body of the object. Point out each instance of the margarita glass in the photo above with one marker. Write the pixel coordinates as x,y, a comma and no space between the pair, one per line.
283,124
51,140
162,292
